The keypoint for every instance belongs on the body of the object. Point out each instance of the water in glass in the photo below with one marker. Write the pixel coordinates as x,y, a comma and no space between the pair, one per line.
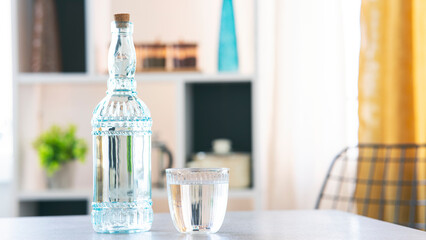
197,198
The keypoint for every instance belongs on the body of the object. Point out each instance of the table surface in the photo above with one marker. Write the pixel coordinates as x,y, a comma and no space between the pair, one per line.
309,224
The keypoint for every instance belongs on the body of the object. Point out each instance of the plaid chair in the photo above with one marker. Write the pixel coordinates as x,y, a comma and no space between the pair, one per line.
386,182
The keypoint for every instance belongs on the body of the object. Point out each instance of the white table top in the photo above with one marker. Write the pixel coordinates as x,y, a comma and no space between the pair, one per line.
310,224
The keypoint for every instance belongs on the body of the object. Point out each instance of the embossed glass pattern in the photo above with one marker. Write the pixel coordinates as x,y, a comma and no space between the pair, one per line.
197,198
121,125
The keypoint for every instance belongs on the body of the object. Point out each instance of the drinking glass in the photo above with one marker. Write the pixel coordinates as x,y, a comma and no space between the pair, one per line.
197,198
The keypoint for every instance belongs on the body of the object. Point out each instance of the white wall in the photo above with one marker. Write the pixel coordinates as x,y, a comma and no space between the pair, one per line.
6,202
6,130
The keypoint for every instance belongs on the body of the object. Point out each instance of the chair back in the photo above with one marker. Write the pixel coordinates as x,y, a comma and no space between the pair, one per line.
386,182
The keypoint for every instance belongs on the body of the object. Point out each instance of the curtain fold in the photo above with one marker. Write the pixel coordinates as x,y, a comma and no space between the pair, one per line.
392,97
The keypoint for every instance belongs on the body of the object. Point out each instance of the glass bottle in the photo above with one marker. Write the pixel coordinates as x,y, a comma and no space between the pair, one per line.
121,125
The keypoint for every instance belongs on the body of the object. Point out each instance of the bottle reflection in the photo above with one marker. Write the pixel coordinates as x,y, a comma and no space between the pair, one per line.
202,237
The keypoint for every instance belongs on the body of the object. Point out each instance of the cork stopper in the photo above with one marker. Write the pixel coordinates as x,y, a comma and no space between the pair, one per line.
122,17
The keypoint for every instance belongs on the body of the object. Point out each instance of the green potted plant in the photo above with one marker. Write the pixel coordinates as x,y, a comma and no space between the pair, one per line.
57,150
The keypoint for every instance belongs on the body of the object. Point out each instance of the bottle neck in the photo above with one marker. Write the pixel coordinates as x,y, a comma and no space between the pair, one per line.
121,59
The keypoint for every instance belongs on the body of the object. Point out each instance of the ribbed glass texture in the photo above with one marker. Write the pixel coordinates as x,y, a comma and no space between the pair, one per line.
121,129
198,198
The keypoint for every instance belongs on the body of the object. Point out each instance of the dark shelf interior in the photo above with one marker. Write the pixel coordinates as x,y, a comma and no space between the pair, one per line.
72,32
53,208
220,110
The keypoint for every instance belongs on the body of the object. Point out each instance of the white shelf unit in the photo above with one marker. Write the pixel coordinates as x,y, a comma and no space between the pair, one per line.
28,199
86,194
76,194
81,78
25,81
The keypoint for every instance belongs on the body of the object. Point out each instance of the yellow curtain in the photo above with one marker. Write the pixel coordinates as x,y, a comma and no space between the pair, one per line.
392,92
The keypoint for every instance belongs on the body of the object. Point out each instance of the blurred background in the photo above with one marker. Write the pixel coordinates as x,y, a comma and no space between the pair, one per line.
267,88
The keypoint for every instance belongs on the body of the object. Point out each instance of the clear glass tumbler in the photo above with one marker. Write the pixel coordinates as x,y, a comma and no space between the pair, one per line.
197,198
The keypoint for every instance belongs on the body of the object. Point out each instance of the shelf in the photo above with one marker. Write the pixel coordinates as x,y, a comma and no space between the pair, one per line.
55,195
233,193
242,193
61,78
46,78
219,77
85,194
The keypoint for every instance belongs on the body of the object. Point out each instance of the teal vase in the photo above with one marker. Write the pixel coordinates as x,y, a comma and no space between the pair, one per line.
228,52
